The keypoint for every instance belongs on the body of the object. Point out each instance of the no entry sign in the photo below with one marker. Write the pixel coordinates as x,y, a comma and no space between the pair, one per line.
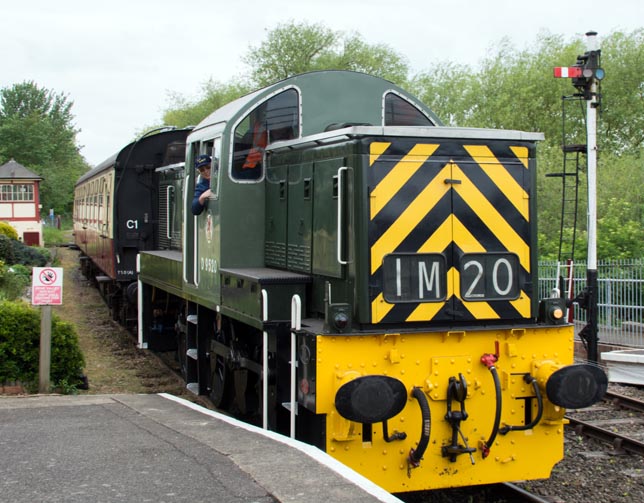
47,286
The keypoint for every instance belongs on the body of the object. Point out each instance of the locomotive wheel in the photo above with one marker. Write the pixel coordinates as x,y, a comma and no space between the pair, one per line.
247,393
221,375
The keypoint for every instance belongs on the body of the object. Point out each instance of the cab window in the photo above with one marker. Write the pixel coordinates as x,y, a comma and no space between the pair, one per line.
276,119
400,112
211,148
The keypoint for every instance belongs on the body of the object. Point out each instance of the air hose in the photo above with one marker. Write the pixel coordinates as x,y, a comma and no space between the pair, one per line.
535,385
415,455
489,360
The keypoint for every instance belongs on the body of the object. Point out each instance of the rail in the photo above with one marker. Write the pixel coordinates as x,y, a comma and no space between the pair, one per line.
618,440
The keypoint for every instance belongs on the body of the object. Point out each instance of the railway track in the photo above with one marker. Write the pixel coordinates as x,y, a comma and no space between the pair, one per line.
624,401
518,494
491,493
619,441
620,424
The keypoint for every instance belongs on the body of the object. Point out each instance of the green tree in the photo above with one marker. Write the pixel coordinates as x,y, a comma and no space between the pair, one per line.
622,113
290,49
511,89
514,89
37,130
620,234
294,48
183,112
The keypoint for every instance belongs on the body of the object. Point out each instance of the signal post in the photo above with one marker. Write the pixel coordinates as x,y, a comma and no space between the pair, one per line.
586,75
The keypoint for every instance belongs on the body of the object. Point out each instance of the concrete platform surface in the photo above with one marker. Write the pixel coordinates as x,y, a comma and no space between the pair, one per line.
159,448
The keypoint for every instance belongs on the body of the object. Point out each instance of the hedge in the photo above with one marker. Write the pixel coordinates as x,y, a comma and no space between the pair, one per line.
20,347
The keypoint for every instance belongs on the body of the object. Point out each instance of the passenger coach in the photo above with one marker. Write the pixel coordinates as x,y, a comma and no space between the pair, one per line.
117,215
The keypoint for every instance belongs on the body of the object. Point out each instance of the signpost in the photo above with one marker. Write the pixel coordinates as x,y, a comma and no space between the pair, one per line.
47,290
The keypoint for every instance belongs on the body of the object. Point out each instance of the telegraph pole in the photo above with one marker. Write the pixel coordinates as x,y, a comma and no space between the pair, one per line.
586,75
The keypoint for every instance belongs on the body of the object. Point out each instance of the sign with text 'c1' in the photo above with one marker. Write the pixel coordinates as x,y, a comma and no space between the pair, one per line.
47,286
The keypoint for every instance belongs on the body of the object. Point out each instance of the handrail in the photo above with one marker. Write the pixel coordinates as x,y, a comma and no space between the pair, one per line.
139,299
339,250
168,190
265,361
296,324
195,252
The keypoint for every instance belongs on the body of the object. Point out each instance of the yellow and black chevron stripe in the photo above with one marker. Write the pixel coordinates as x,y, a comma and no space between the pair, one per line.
450,197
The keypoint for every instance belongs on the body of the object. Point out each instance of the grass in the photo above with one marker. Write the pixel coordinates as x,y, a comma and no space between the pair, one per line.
113,364
54,237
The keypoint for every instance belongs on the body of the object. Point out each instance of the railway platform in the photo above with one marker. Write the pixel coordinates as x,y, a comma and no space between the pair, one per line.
159,448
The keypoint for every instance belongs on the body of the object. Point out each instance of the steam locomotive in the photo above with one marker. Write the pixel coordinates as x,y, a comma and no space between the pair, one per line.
362,278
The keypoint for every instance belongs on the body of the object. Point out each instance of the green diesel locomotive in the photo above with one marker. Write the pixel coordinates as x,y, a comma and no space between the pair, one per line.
365,279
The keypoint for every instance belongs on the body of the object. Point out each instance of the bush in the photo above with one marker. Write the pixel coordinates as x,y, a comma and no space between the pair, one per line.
6,250
6,229
30,255
14,281
15,252
20,348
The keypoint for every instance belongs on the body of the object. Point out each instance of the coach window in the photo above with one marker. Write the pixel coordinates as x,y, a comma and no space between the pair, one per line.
400,112
274,120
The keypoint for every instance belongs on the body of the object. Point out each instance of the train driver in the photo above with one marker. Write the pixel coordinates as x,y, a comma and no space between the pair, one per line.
202,190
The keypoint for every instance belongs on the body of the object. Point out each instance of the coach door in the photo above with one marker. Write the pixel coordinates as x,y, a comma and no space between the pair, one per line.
449,231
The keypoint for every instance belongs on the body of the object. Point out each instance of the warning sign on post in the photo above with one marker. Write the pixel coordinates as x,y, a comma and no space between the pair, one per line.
47,286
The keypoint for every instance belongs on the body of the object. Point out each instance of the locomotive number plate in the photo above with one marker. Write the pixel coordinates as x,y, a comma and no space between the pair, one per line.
489,276
414,277
423,277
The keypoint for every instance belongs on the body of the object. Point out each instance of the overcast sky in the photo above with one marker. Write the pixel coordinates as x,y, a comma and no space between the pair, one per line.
119,61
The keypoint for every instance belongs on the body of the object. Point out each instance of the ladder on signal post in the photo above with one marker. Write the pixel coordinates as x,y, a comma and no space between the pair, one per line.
573,160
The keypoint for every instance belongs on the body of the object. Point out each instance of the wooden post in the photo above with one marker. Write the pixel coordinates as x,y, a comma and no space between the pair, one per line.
45,349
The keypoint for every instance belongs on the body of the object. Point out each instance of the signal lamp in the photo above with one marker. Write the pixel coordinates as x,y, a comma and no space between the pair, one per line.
305,386
338,317
341,320
551,311
589,73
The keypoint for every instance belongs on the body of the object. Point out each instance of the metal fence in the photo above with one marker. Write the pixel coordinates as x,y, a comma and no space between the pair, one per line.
620,297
